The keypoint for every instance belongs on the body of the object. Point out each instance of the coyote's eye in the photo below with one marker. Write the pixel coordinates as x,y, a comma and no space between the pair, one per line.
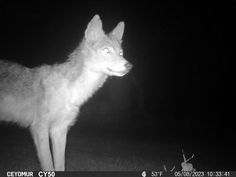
121,52
106,50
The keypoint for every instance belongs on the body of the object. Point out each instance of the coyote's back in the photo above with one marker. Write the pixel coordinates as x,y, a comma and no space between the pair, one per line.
17,91
47,98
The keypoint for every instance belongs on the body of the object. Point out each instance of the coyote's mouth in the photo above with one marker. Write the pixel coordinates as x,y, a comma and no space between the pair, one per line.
117,73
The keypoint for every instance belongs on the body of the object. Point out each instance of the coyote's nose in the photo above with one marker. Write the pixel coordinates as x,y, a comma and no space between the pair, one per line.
128,66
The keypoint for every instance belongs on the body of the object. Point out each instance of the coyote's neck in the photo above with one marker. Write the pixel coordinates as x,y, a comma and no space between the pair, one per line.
83,82
87,84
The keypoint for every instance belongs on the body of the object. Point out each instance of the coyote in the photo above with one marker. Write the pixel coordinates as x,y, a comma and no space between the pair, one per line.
47,99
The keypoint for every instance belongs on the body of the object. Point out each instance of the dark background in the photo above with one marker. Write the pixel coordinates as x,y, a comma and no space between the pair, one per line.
181,87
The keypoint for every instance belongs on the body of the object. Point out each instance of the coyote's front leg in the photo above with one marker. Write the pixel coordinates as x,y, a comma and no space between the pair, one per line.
58,135
41,139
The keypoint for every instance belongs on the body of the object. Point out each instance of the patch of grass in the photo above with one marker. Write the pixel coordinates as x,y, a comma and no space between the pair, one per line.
96,153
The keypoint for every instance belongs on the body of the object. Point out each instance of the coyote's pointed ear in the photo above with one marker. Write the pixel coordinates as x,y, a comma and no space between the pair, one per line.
94,29
118,31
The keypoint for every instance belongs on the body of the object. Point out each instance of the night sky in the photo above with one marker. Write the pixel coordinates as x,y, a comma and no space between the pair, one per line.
182,81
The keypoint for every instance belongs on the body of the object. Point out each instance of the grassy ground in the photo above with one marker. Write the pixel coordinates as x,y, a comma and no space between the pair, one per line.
90,148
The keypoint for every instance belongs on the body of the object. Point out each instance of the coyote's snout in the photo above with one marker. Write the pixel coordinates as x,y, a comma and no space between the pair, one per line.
47,99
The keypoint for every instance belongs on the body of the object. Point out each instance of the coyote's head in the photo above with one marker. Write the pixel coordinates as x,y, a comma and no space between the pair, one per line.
104,50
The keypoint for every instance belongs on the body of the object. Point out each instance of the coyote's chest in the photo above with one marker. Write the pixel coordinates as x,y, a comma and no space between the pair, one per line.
67,99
